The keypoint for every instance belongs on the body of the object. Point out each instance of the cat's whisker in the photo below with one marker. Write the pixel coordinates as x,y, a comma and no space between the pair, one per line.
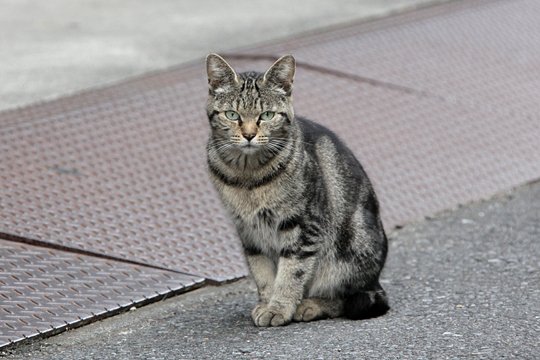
290,140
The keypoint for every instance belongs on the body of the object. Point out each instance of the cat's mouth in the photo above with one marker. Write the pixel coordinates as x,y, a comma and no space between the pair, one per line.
249,148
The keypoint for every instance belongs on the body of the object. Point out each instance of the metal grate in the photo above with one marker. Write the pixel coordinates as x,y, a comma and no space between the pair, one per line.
45,291
125,177
482,54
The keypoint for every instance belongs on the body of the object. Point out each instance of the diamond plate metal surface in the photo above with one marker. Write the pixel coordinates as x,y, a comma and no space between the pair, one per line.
124,176
481,54
45,291
423,155
128,178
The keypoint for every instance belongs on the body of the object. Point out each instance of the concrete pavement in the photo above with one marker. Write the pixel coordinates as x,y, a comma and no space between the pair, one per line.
465,284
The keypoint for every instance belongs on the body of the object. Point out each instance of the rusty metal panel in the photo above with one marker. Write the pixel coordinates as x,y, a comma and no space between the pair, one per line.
124,176
127,177
44,291
423,155
476,56
474,69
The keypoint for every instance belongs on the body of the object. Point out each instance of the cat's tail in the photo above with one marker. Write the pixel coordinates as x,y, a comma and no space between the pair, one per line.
366,304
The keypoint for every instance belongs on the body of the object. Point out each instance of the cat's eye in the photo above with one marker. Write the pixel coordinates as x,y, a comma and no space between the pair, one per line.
267,115
232,115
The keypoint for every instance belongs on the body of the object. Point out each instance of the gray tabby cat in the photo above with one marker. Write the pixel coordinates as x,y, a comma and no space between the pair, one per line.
304,208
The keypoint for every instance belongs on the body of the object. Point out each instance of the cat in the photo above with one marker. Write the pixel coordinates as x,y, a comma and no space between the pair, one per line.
305,210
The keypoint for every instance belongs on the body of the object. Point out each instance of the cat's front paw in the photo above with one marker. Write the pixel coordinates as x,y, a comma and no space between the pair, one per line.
269,315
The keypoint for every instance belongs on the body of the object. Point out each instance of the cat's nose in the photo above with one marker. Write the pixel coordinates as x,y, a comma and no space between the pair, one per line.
248,136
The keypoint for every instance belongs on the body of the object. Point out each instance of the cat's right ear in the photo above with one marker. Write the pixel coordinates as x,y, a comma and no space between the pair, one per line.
280,76
221,76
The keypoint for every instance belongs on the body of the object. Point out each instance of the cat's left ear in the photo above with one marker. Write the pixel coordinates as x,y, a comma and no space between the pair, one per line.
221,75
281,74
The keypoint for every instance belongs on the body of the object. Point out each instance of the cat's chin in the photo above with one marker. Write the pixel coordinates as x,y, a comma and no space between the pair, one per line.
250,149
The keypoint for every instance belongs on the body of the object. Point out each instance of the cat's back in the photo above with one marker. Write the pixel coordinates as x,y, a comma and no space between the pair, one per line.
324,144
337,170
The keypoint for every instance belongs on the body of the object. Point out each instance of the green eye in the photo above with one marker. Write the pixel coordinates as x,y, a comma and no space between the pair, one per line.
232,115
267,115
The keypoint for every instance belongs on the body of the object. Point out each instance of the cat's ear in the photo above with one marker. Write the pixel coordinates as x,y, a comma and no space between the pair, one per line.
221,75
281,74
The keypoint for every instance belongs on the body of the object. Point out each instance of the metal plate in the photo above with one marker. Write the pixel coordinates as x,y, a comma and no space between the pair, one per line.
125,177
483,54
46,291
422,154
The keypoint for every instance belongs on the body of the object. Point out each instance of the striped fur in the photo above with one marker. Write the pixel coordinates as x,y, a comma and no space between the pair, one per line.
303,206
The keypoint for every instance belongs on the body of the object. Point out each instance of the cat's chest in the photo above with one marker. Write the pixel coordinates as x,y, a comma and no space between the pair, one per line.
258,214
247,204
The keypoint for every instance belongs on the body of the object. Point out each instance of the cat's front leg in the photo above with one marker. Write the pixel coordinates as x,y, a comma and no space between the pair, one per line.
295,268
263,271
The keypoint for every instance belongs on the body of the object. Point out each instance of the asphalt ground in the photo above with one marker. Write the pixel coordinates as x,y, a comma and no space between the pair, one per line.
464,284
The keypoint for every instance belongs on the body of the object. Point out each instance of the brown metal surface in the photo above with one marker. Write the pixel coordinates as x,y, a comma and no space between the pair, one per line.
483,54
45,291
124,176
440,106
127,177
460,117
423,155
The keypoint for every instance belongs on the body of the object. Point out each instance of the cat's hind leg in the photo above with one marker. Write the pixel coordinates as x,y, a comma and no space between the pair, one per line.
317,308
359,305
365,304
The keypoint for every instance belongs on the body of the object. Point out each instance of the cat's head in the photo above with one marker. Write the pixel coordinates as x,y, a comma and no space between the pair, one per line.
250,111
